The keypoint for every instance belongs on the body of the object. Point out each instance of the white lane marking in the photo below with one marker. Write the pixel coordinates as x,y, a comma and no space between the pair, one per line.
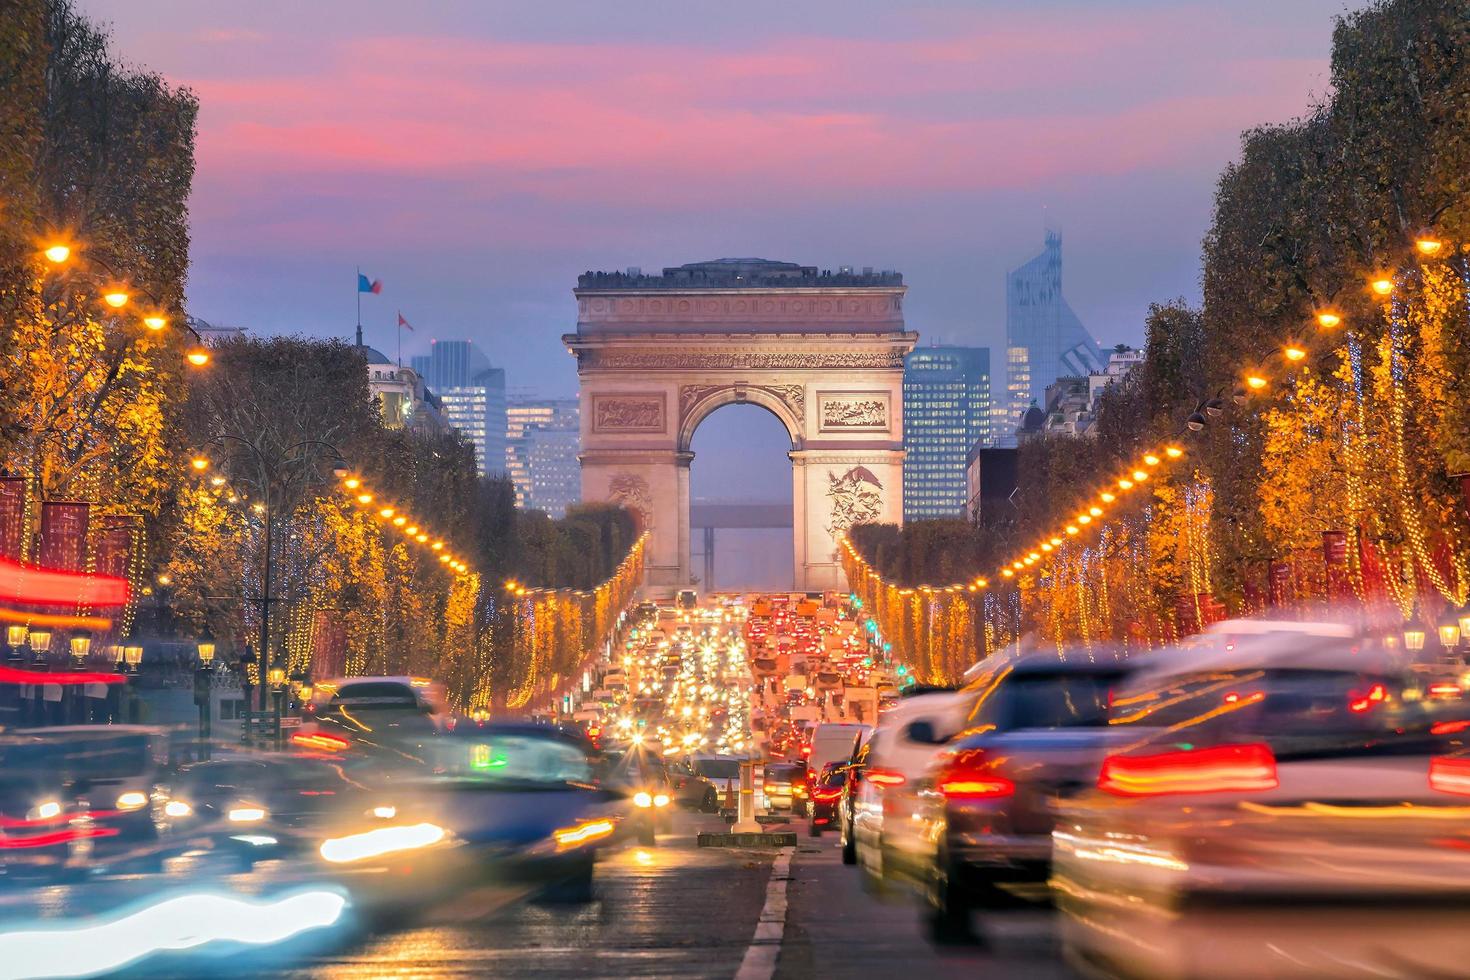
759,962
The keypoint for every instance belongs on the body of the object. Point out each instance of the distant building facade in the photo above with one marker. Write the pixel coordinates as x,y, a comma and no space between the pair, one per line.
472,394
403,398
946,412
543,438
1044,339
991,476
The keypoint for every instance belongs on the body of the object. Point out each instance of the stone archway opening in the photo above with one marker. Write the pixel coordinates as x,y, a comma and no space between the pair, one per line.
821,351
740,501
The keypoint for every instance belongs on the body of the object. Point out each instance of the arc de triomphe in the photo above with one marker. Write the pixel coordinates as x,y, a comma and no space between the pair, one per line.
821,351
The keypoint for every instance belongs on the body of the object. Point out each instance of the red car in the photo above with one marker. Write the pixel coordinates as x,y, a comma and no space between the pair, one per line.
826,797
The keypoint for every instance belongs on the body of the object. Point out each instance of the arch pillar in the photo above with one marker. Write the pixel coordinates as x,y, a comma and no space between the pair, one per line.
833,489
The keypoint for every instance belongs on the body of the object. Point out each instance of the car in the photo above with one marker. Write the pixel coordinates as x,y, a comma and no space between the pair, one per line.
640,775
524,799
984,812
1284,804
81,799
832,742
691,790
845,805
785,787
723,773
899,750
827,797
268,806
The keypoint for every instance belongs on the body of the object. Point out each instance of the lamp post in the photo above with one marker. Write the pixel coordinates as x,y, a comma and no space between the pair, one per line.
278,694
203,690
15,638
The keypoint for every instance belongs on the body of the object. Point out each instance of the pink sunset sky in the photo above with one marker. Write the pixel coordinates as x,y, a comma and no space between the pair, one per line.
476,156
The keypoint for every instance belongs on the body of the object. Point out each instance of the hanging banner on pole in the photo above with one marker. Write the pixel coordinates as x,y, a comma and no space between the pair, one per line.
64,535
114,551
12,516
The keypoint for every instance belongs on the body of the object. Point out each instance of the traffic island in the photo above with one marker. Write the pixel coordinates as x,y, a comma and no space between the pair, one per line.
762,838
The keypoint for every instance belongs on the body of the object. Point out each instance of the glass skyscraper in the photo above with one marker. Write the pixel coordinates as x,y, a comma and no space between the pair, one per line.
472,394
543,438
946,411
1044,338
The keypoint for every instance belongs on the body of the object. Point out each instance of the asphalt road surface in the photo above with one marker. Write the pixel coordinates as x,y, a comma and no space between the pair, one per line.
677,910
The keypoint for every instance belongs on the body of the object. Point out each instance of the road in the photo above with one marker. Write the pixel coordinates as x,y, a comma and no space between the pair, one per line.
680,910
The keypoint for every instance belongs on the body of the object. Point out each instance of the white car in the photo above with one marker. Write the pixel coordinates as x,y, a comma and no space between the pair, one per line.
1294,803
898,752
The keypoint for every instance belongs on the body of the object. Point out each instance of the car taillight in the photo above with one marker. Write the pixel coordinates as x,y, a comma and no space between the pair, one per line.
1221,769
1450,774
826,795
319,741
969,777
1363,702
885,777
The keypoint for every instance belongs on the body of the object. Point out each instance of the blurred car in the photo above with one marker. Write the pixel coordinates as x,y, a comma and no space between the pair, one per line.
723,773
785,787
268,806
845,805
899,751
692,790
827,797
525,799
984,818
640,775
81,798
1291,802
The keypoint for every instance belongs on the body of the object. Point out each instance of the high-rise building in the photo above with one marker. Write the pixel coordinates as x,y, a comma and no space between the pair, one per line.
542,440
472,394
946,412
1044,339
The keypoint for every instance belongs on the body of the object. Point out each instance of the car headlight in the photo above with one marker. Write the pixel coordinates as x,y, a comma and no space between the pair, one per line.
48,810
132,800
246,814
383,812
662,799
177,808
376,843
642,800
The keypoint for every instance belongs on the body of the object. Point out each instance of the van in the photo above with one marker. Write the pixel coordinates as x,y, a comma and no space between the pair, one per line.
834,742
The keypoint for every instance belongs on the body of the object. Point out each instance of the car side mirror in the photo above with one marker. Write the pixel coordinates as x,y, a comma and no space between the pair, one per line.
923,732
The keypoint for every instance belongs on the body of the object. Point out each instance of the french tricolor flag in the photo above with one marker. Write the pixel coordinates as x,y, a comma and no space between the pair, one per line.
366,285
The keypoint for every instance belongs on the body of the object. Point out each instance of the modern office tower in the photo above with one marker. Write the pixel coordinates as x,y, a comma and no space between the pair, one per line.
1044,338
946,412
543,437
472,394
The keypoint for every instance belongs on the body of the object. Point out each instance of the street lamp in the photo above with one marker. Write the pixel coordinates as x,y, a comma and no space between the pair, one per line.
203,690
1413,639
40,643
81,646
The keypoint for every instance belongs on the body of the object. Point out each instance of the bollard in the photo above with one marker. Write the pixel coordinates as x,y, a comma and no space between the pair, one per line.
745,822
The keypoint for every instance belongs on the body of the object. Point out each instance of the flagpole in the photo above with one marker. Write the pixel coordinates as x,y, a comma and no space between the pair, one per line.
400,343
357,288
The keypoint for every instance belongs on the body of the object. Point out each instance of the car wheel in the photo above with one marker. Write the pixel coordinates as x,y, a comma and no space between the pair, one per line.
711,802
849,848
947,911
813,830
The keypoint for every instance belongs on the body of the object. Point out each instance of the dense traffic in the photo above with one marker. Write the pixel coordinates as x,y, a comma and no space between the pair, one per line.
1267,799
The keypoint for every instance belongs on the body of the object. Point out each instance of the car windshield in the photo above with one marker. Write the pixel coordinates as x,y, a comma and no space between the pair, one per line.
718,768
784,773
518,758
1057,700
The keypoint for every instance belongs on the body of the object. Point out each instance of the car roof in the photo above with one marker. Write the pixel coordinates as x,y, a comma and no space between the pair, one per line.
1277,650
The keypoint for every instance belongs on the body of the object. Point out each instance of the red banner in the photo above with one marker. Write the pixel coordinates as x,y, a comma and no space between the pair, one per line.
64,535
1335,562
328,644
1279,582
114,551
12,516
